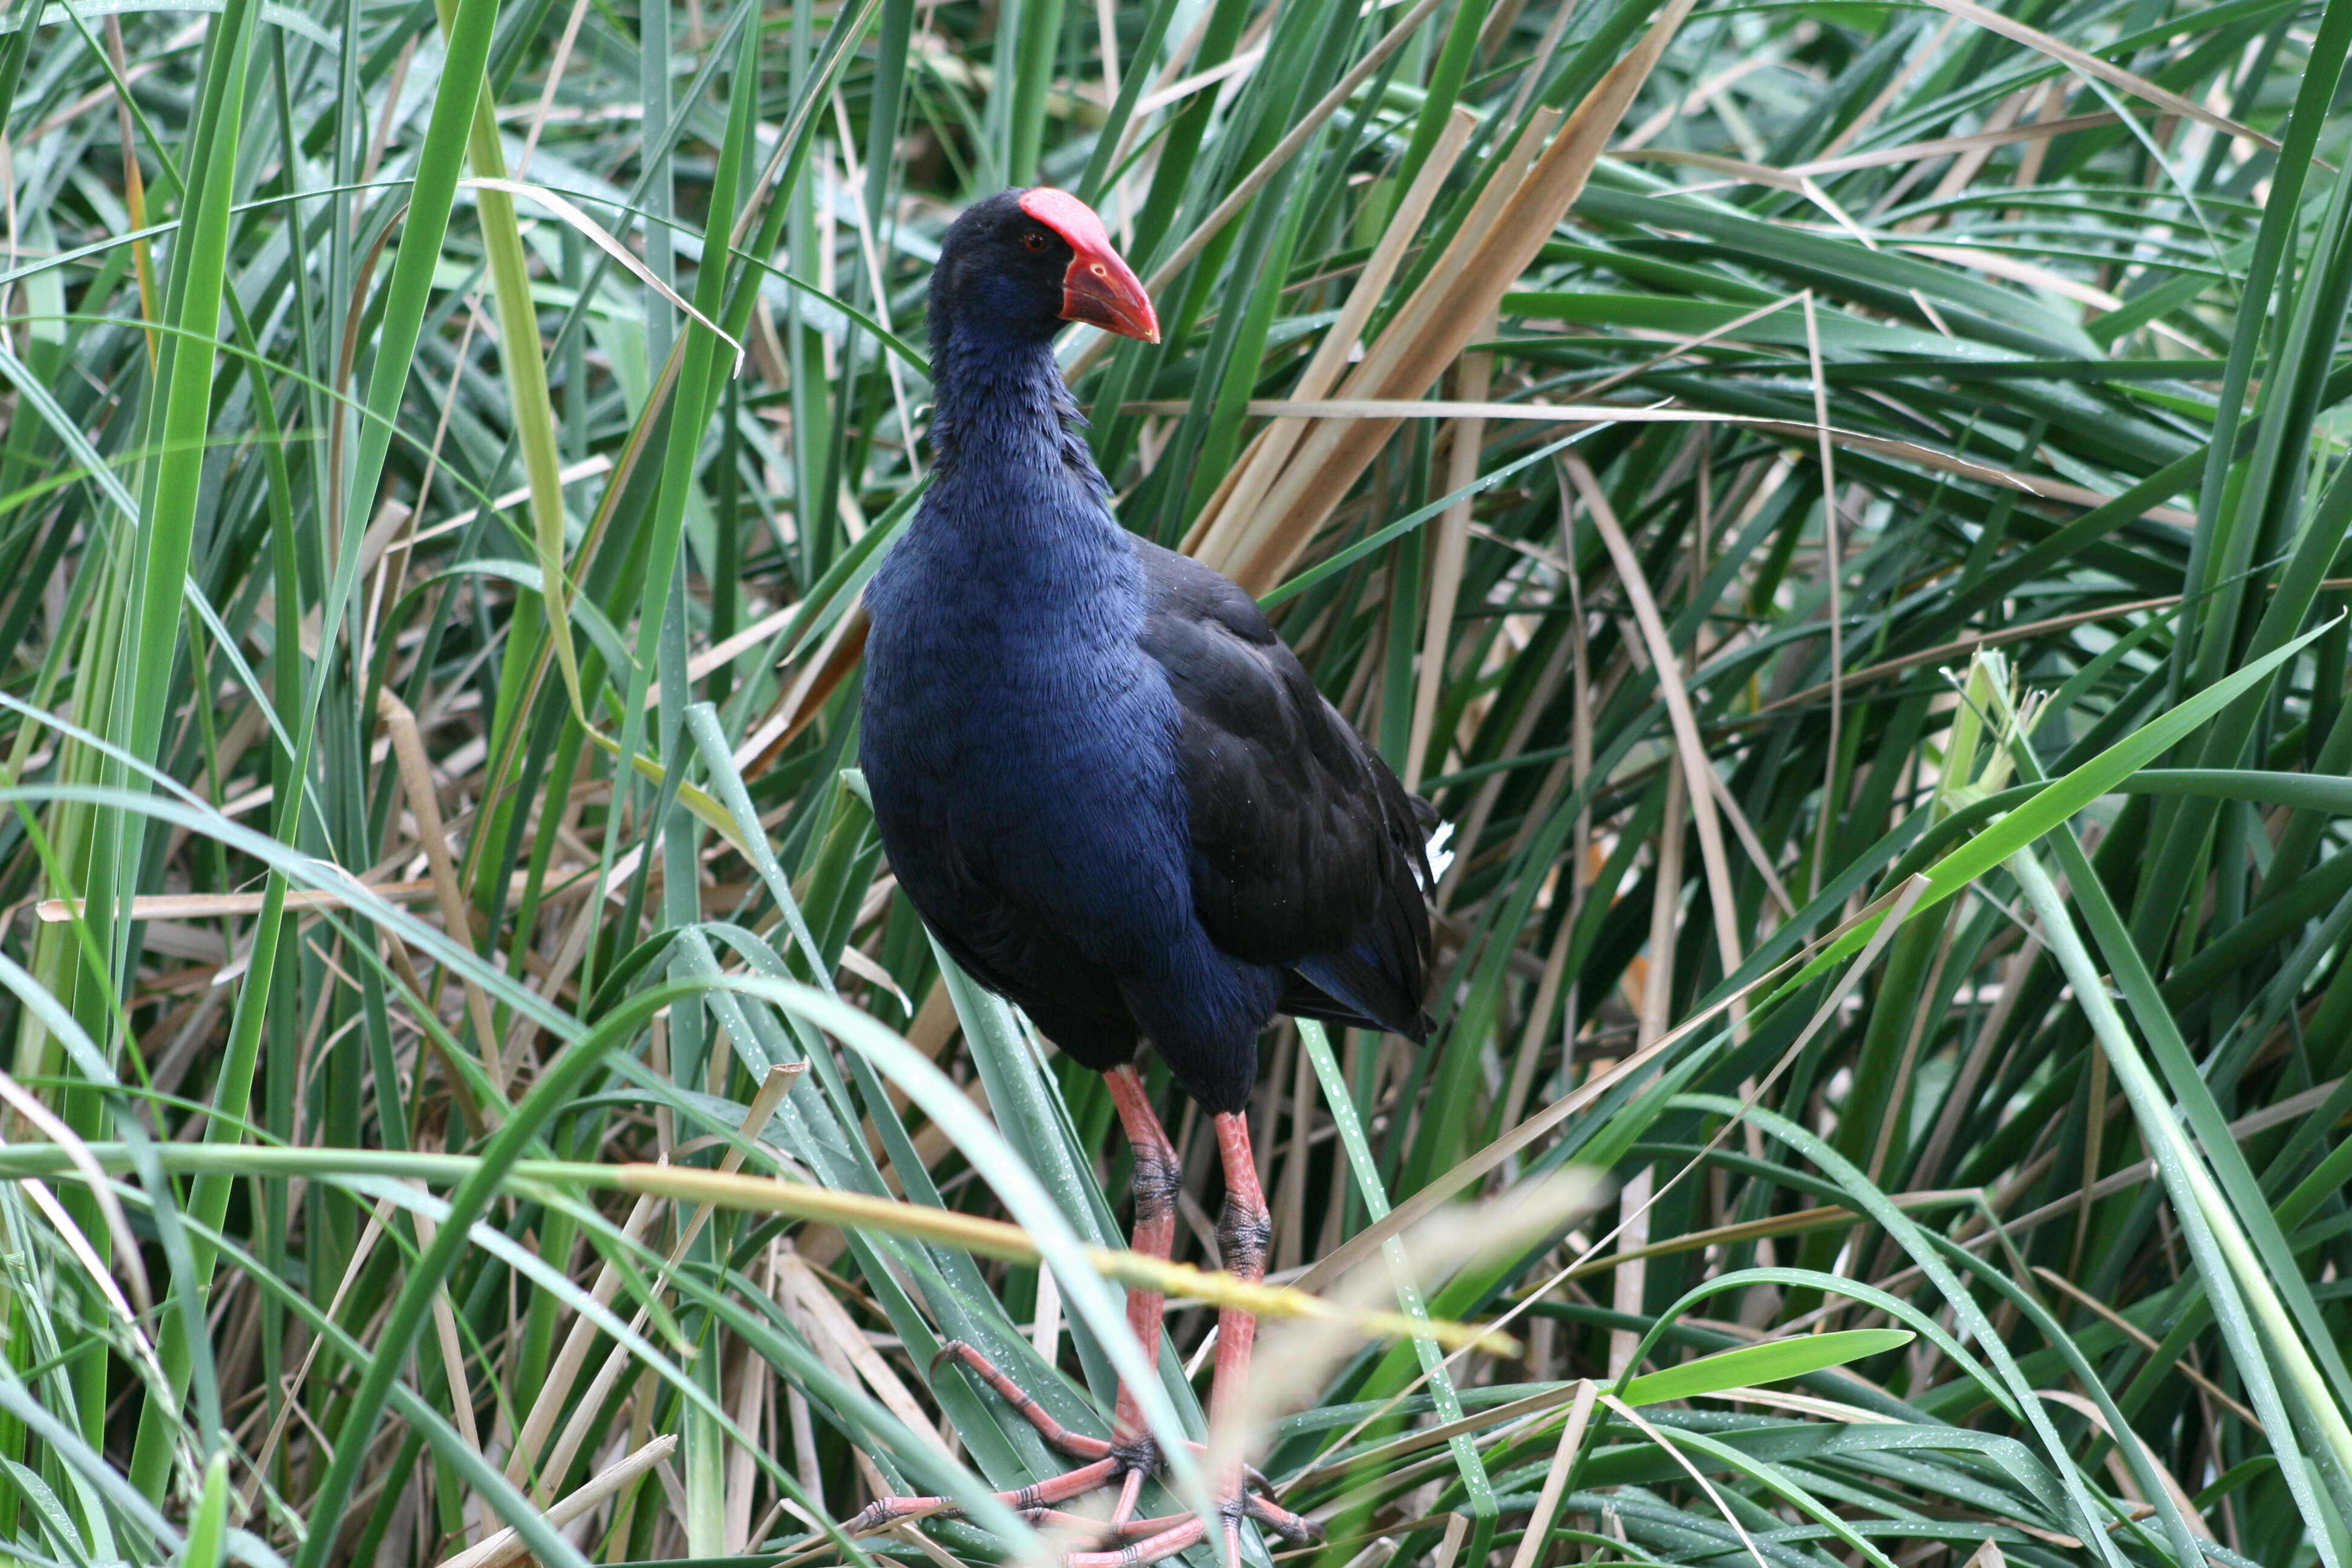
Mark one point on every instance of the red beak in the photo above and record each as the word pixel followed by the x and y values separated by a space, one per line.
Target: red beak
pixel 1100 289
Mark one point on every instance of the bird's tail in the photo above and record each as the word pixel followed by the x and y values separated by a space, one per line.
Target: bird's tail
pixel 1350 989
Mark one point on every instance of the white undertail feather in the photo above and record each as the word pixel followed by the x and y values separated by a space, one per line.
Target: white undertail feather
pixel 1440 856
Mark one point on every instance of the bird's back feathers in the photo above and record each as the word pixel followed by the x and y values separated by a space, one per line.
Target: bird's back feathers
pixel 1307 852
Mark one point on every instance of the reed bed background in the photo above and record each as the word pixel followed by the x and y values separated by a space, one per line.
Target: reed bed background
pixel 1840 505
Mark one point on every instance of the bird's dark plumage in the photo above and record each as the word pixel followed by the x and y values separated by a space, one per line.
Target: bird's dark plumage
pixel 1109 789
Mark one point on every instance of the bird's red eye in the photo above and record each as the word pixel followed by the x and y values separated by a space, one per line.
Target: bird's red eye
pixel 1034 241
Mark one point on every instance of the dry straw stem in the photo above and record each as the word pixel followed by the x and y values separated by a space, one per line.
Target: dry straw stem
pixel 1296 1360
pixel 1698 768
pixel 1555 1481
pixel 1474 378
pixel 997 1238
pixel 541 1419
pixel 453 1350
pixel 1877 158
pixel 571 473
pixel 826 667
pixel 1504 233
pixel 507 1546
pixel 1215 532
pixel 823 1318
pixel 425 803
pixel 215 906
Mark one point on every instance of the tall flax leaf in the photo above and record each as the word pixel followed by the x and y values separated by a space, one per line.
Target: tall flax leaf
pixel 1373 1193
pixel 2218 1239
pixel 440 163
pixel 520 357
pixel 2240 516
pixel 200 269
pixel 166 543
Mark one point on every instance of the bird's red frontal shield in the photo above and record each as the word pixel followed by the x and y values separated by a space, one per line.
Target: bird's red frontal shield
pixel 1100 289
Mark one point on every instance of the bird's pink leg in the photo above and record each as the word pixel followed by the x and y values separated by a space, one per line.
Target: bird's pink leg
pixel 1158 1175
pixel 1131 1455
pixel 1245 1230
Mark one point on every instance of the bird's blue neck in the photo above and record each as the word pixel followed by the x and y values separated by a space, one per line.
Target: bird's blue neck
pixel 999 402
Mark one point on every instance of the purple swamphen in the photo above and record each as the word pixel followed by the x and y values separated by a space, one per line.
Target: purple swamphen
pixel 1113 793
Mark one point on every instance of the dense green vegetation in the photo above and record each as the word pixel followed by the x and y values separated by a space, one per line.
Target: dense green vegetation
pixel 1894 722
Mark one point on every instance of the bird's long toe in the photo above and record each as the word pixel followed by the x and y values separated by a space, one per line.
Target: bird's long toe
pixel 1036 1497
pixel 1183 1534
pixel 1075 1444
pixel 1081 1526
pixel 1295 1528
pixel 888 1511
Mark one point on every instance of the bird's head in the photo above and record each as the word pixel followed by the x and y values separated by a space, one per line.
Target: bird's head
pixel 1023 262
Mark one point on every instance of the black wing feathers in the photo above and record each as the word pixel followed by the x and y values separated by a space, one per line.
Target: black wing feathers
pixel 1307 852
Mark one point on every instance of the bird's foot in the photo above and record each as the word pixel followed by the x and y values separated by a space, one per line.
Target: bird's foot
pixel 1126 1462
pixel 1105 1461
